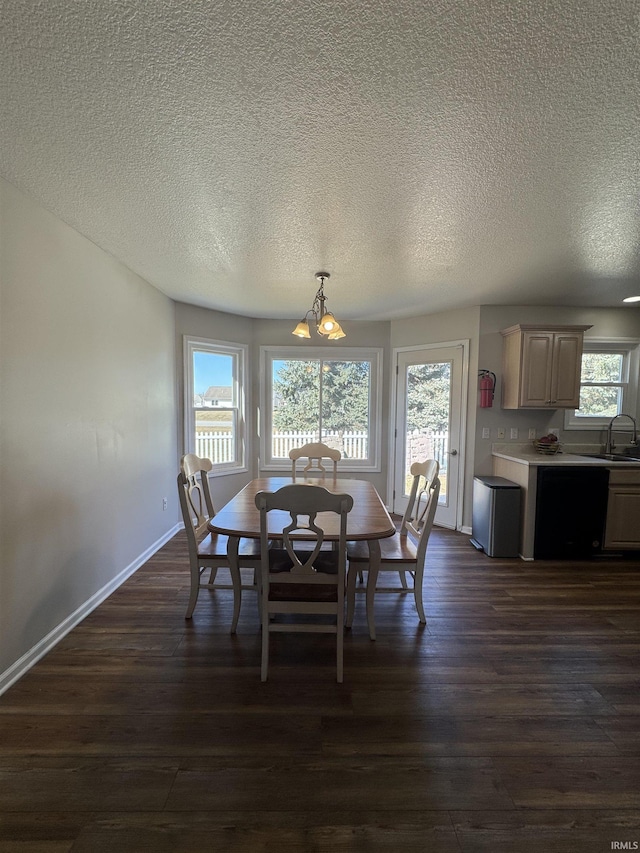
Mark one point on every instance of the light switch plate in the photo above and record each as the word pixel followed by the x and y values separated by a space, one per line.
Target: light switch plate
pixel 486 432
pixel 514 432
pixel 500 432
pixel 532 432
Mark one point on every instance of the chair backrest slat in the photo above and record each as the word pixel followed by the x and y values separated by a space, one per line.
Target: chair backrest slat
pixel 315 452
pixel 194 493
pixel 302 503
pixel 423 503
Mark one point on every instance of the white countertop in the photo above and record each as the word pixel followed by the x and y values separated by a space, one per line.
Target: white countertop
pixel 568 455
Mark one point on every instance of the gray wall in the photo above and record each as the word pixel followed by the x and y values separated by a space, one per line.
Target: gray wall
pixel 88 422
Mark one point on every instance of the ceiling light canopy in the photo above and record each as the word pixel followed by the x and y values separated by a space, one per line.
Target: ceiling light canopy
pixel 632 299
pixel 324 321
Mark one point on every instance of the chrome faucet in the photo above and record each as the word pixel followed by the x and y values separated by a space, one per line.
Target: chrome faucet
pixel 610 446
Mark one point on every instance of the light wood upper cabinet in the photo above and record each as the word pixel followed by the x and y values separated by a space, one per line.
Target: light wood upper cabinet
pixel 541 366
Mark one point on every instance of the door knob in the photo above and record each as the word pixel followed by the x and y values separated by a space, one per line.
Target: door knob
pixel 453 452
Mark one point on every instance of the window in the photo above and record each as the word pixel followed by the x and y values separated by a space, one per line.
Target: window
pixel 214 403
pixel 608 383
pixel 321 394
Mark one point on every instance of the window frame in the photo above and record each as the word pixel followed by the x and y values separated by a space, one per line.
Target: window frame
pixel 374 355
pixel 629 349
pixel 239 353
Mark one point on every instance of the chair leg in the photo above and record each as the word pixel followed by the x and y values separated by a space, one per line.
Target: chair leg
pixel 257 582
pixel 417 594
pixel 372 580
pixel 195 589
pixel 265 647
pixel 339 649
pixel 236 579
pixel 403 579
pixel 351 594
pixel 213 575
pixel 360 576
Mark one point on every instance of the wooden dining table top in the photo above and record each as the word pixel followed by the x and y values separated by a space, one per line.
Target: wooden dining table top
pixel 367 520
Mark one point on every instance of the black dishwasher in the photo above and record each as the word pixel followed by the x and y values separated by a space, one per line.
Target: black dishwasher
pixel 571 507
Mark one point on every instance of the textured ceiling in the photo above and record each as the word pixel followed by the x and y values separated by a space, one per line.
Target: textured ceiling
pixel 428 154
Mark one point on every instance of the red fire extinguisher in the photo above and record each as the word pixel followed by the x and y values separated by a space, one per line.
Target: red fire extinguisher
pixel 487 388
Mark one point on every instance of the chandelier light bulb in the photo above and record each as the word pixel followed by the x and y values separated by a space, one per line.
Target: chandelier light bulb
pixel 328 323
pixel 325 323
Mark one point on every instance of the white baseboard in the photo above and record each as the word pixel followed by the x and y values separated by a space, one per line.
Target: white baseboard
pixel 466 530
pixel 24 664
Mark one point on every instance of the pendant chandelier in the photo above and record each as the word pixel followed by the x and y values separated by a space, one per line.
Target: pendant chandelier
pixel 324 321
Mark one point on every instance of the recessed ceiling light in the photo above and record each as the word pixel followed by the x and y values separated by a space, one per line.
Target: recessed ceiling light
pixel 632 299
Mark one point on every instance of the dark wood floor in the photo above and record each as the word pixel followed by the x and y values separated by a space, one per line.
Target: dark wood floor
pixel 510 724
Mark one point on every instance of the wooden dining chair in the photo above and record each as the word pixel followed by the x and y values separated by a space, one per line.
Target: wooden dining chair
pixel 314 453
pixel 208 551
pixel 305 583
pixel 404 552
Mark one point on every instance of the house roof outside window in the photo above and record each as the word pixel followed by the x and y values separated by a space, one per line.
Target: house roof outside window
pixel 217 395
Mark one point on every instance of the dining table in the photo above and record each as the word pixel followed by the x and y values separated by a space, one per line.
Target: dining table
pixel 368 521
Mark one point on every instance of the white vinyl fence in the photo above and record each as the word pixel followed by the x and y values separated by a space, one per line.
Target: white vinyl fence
pixel 217 445
pixel 352 445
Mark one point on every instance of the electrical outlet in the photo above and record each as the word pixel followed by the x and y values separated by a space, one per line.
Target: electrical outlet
pixel 165 503
pixel 532 433
pixel 486 432
pixel 513 432
pixel 500 432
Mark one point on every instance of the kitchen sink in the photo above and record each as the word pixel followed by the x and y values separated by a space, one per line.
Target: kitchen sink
pixel 612 457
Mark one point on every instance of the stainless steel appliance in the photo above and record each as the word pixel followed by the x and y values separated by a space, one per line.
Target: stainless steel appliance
pixel 496 516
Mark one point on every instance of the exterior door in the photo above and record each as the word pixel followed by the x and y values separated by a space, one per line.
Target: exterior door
pixel 429 423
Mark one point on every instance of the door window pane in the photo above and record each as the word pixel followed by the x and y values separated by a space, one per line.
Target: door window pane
pixel 428 395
